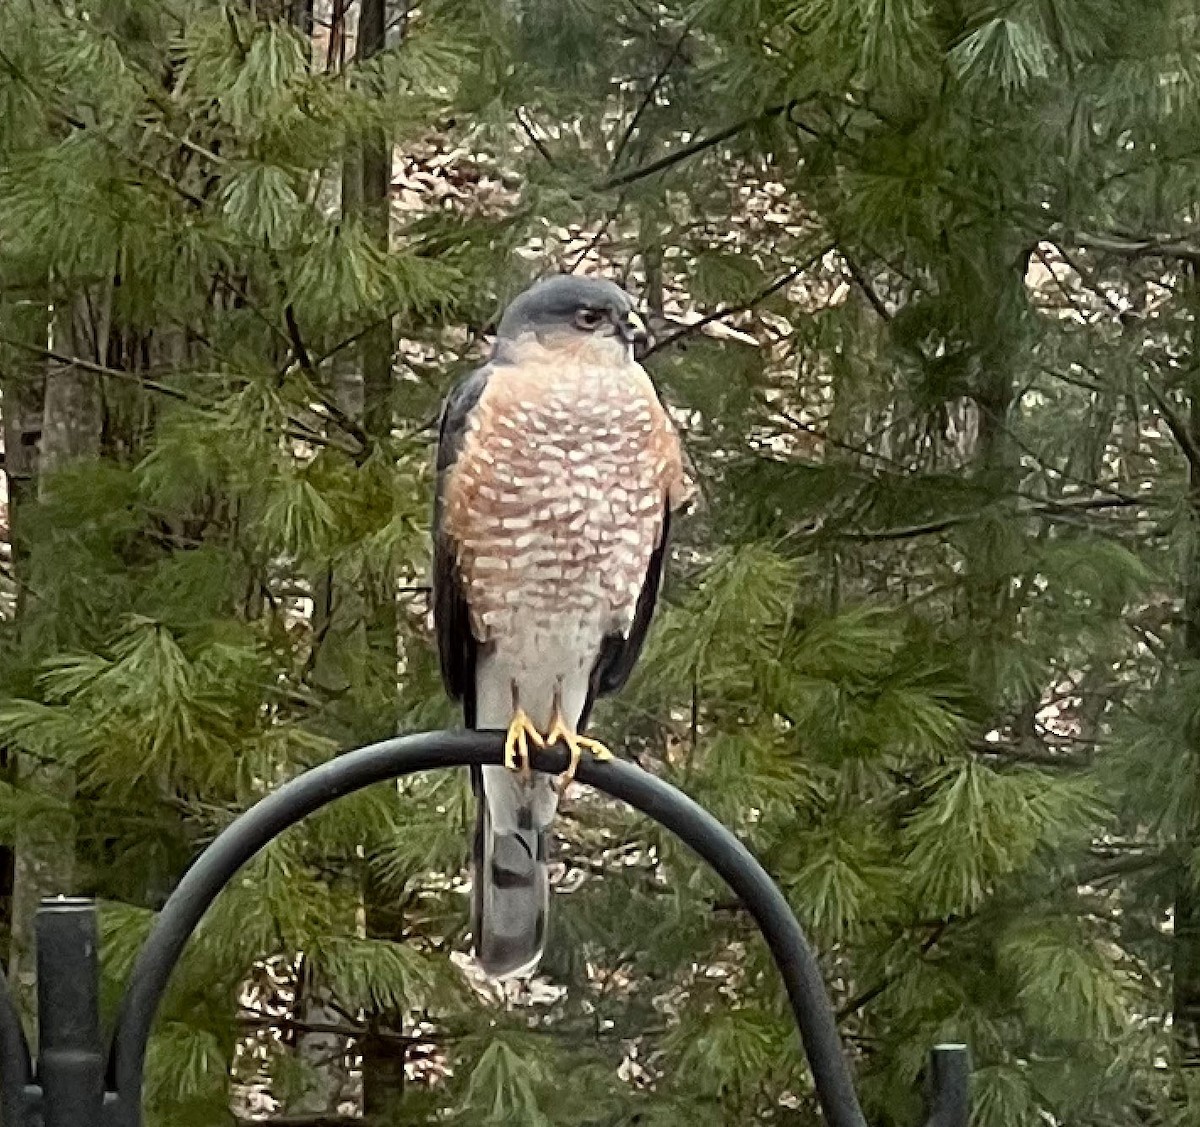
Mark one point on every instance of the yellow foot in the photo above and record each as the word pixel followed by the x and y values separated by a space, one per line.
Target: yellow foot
pixel 578 745
pixel 521 733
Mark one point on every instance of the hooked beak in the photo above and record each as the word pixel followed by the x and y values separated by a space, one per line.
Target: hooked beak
pixel 634 332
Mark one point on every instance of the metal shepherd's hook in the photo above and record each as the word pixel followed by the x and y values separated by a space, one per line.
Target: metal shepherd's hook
pixel 70 1087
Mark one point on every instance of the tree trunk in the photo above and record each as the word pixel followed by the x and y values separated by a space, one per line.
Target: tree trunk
pixel 1185 959
pixel 353 628
pixel 23 386
pixel 71 426
pixel 995 467
pixel 383 1063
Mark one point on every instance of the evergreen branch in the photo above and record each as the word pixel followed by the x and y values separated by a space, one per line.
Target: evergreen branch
pixel 78 124
pixel 805 128
pixel 895 267
pixel 57 111
pixel 303 1120
pixel 1016 752
pixel 1175 424
pixel 1063 475
pixel 1041 507
pixel 222 279
pixel 1122 865
pixel 659 78
pixel 1074 381
pixel 1135 246
pixel 863 283
pixel 594 241
pixel 686 152
pixel 301 353
pixel 1153 642
pixel 358 334
pixel 344 421
pixel 349 1029
pixel 529 132
pixel 837 443
pixel 869 995
pixel 297 430
pixel 1089 280
pixel 351 340
pixel 1085 316
pixel 164 178
pixel 742 307
pixel 1111 500
pixel 1019 504
pixel 297 341
pixel 192 146
pixel 1107 868
pixel 98 369
pixel 647 13
pixel 912 532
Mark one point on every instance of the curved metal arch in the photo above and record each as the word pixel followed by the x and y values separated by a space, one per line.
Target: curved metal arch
pixel 407 755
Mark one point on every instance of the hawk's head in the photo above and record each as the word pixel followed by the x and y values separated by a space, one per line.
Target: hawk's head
pixel 572 311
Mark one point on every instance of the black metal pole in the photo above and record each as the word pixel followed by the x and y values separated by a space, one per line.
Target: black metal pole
pixel 949 1086
pixel 407 755
pixel 70 1063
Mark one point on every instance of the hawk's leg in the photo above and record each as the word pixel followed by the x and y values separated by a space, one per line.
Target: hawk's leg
pixel 521 733
pixel 577 744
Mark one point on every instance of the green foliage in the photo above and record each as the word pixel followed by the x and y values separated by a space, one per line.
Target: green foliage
pixel 374 975
pixel 724 1055
pixel 928 644
pixel 1065 983
pixel 979 825
pixel 504 1086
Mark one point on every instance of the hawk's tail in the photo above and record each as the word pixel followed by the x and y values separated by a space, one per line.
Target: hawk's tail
pixel 511 889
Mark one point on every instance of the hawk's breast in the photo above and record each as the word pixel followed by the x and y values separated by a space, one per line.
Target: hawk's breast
pixel 556 500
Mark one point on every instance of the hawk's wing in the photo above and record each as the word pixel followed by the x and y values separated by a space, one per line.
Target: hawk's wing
pixel 510 887
pixel 619 652
pixel 456 644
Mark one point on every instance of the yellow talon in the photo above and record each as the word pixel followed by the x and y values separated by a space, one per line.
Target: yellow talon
pixel 559 732
pixel 521 733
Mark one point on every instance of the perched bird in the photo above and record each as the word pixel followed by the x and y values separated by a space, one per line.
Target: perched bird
pixel 558 471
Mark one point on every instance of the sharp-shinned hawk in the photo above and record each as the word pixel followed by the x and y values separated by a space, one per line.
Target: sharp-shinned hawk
pixel 558 471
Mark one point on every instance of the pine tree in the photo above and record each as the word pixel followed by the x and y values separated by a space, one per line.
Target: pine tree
pixel 928 643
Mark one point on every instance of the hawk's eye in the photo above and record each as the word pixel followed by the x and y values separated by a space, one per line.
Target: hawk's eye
pixel 589 319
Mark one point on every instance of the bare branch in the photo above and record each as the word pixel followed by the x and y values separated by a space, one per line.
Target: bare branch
pixel 691 150
pixel 742 307
pixel 594 241
pixel 1178 428
pixel 659 78
pixel 335 413
pixel 1135 246
pixel 538 144
pixel 98 369
pixel 297 341
pixel 861 280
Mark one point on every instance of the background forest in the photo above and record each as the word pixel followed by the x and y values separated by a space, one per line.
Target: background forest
pixel 924 278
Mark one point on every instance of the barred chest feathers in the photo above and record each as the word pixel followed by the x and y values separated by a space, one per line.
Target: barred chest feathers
pixel 557 499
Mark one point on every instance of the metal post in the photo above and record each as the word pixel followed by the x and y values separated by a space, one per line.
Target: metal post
pixel 70 1063
pixel 949 1086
